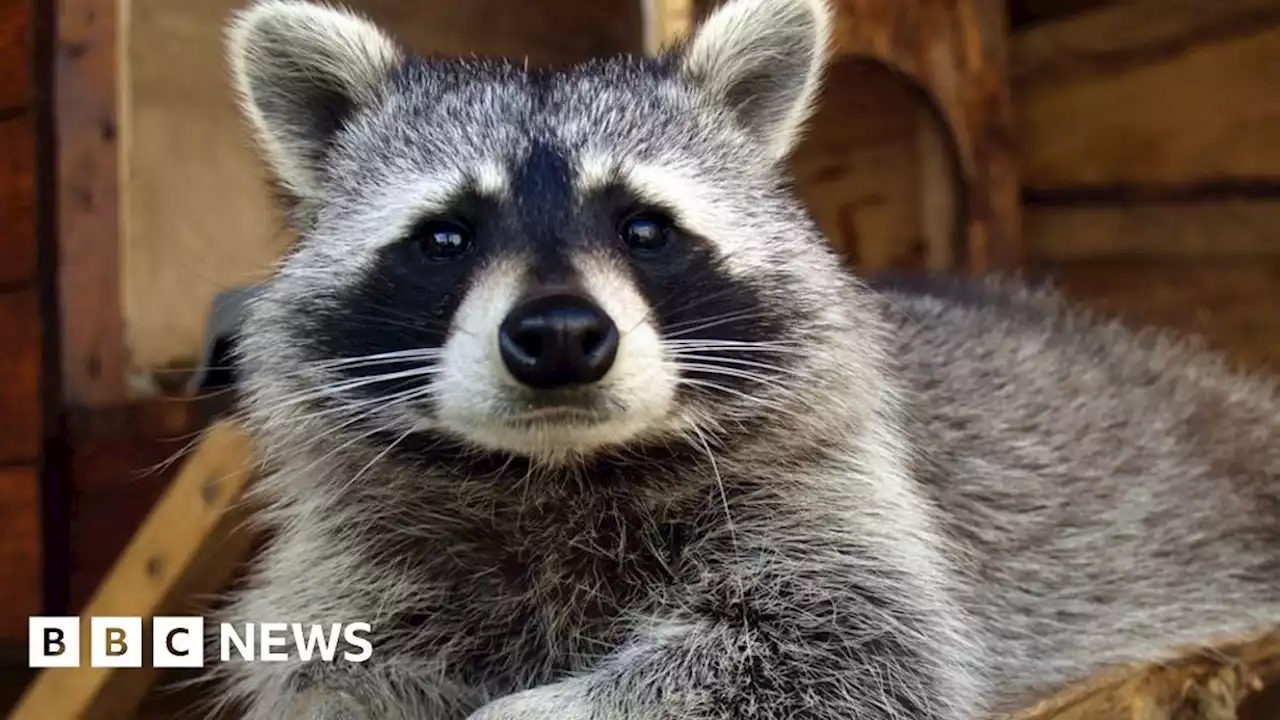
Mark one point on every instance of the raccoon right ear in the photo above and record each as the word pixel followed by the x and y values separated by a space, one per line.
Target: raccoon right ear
pixel 763 59
pixel 300 70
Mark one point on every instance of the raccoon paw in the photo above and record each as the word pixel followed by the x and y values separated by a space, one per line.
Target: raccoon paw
pixel 559 701
pixel 327 705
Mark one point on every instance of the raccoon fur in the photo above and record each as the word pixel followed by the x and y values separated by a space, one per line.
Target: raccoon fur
pixel 563 391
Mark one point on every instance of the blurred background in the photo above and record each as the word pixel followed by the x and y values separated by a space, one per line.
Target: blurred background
pixel 1127 149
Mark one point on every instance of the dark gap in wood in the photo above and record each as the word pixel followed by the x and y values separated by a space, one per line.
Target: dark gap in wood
pixel 13 113
pixel 19 463
pixel 1123 194
pixel 1029 13
pixel 15 286
pixel 54 471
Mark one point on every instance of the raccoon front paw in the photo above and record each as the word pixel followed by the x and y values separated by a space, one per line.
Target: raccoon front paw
pixel 559 701
pixel 327 705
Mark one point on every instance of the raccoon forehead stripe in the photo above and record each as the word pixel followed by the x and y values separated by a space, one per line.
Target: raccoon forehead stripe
pixel 670 187
pixel 400 203
pixel 693 204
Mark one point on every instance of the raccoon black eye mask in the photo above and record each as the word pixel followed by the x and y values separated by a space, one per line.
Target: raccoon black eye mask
pixel 565 394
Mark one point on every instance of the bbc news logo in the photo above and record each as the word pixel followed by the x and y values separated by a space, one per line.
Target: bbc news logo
pixel 179 642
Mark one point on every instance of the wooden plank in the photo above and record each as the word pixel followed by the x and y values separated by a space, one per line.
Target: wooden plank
pixel 20 557
pixel 1199 685
pixel 93 358
pixel 186 549
pixel 20 392
pixel 1150 91
pixel 17 200
pixel 1233 302
pixel 15 54
pixel 1239 228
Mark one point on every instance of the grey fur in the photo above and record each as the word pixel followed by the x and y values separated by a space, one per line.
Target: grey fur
pixel 952 500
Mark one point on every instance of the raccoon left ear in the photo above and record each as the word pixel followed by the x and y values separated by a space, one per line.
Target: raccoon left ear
pixel 764 59
pixel 301 69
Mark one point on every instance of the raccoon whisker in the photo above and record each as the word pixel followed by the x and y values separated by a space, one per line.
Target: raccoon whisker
pixel 723 317
pixel 349 442
pixel 735 350
pixel 717 387
pixel 684 329
pixel 385 451
pixel 335 390
pixel 694 302
pixel 715 369
pixel 713 359
pixel 760 380
pixel 412 353
pixel 348 406
pixel 732 343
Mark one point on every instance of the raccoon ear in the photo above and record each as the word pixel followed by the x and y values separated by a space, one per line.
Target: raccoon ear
pixel 764 59
pixel 300 70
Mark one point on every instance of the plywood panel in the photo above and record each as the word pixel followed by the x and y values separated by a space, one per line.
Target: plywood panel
pixel 17 200
pixel 19 552
pixel 198 217
pixel 1151 91
pixel 20 358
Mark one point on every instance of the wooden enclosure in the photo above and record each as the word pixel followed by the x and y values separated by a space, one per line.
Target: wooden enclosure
pixel 1129 149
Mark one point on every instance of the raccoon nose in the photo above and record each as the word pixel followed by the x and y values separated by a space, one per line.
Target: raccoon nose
pixel 557 340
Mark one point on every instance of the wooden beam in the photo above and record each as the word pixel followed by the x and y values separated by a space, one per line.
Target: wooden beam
pixel 184 552
pixel 954 52
pixel 1150 91
pixel 94 359
pixel 1205 684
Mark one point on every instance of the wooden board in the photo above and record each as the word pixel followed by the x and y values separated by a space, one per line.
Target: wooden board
pixel 15 54
pixel 1212 683
pixel 92 345
pixel 184 552
pixel 20 556
pixel 20 391
pixel 17 199
pixel 1186 229
pixel 1150 91
pixel 197 213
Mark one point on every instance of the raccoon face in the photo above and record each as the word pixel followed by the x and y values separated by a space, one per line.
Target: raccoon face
pixel 547 263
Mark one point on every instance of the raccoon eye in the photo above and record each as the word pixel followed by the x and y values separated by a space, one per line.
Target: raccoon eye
pixel 646 232
pixel 442 239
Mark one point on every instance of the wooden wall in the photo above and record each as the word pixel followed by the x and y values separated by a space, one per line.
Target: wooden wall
pixel 21 330
pixel 1150 152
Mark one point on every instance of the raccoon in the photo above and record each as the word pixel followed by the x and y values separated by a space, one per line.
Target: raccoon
pixel 564 392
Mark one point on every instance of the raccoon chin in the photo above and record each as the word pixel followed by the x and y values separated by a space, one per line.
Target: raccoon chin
pixel 557 435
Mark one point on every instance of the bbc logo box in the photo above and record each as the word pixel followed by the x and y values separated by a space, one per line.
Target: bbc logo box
pixel 55 641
